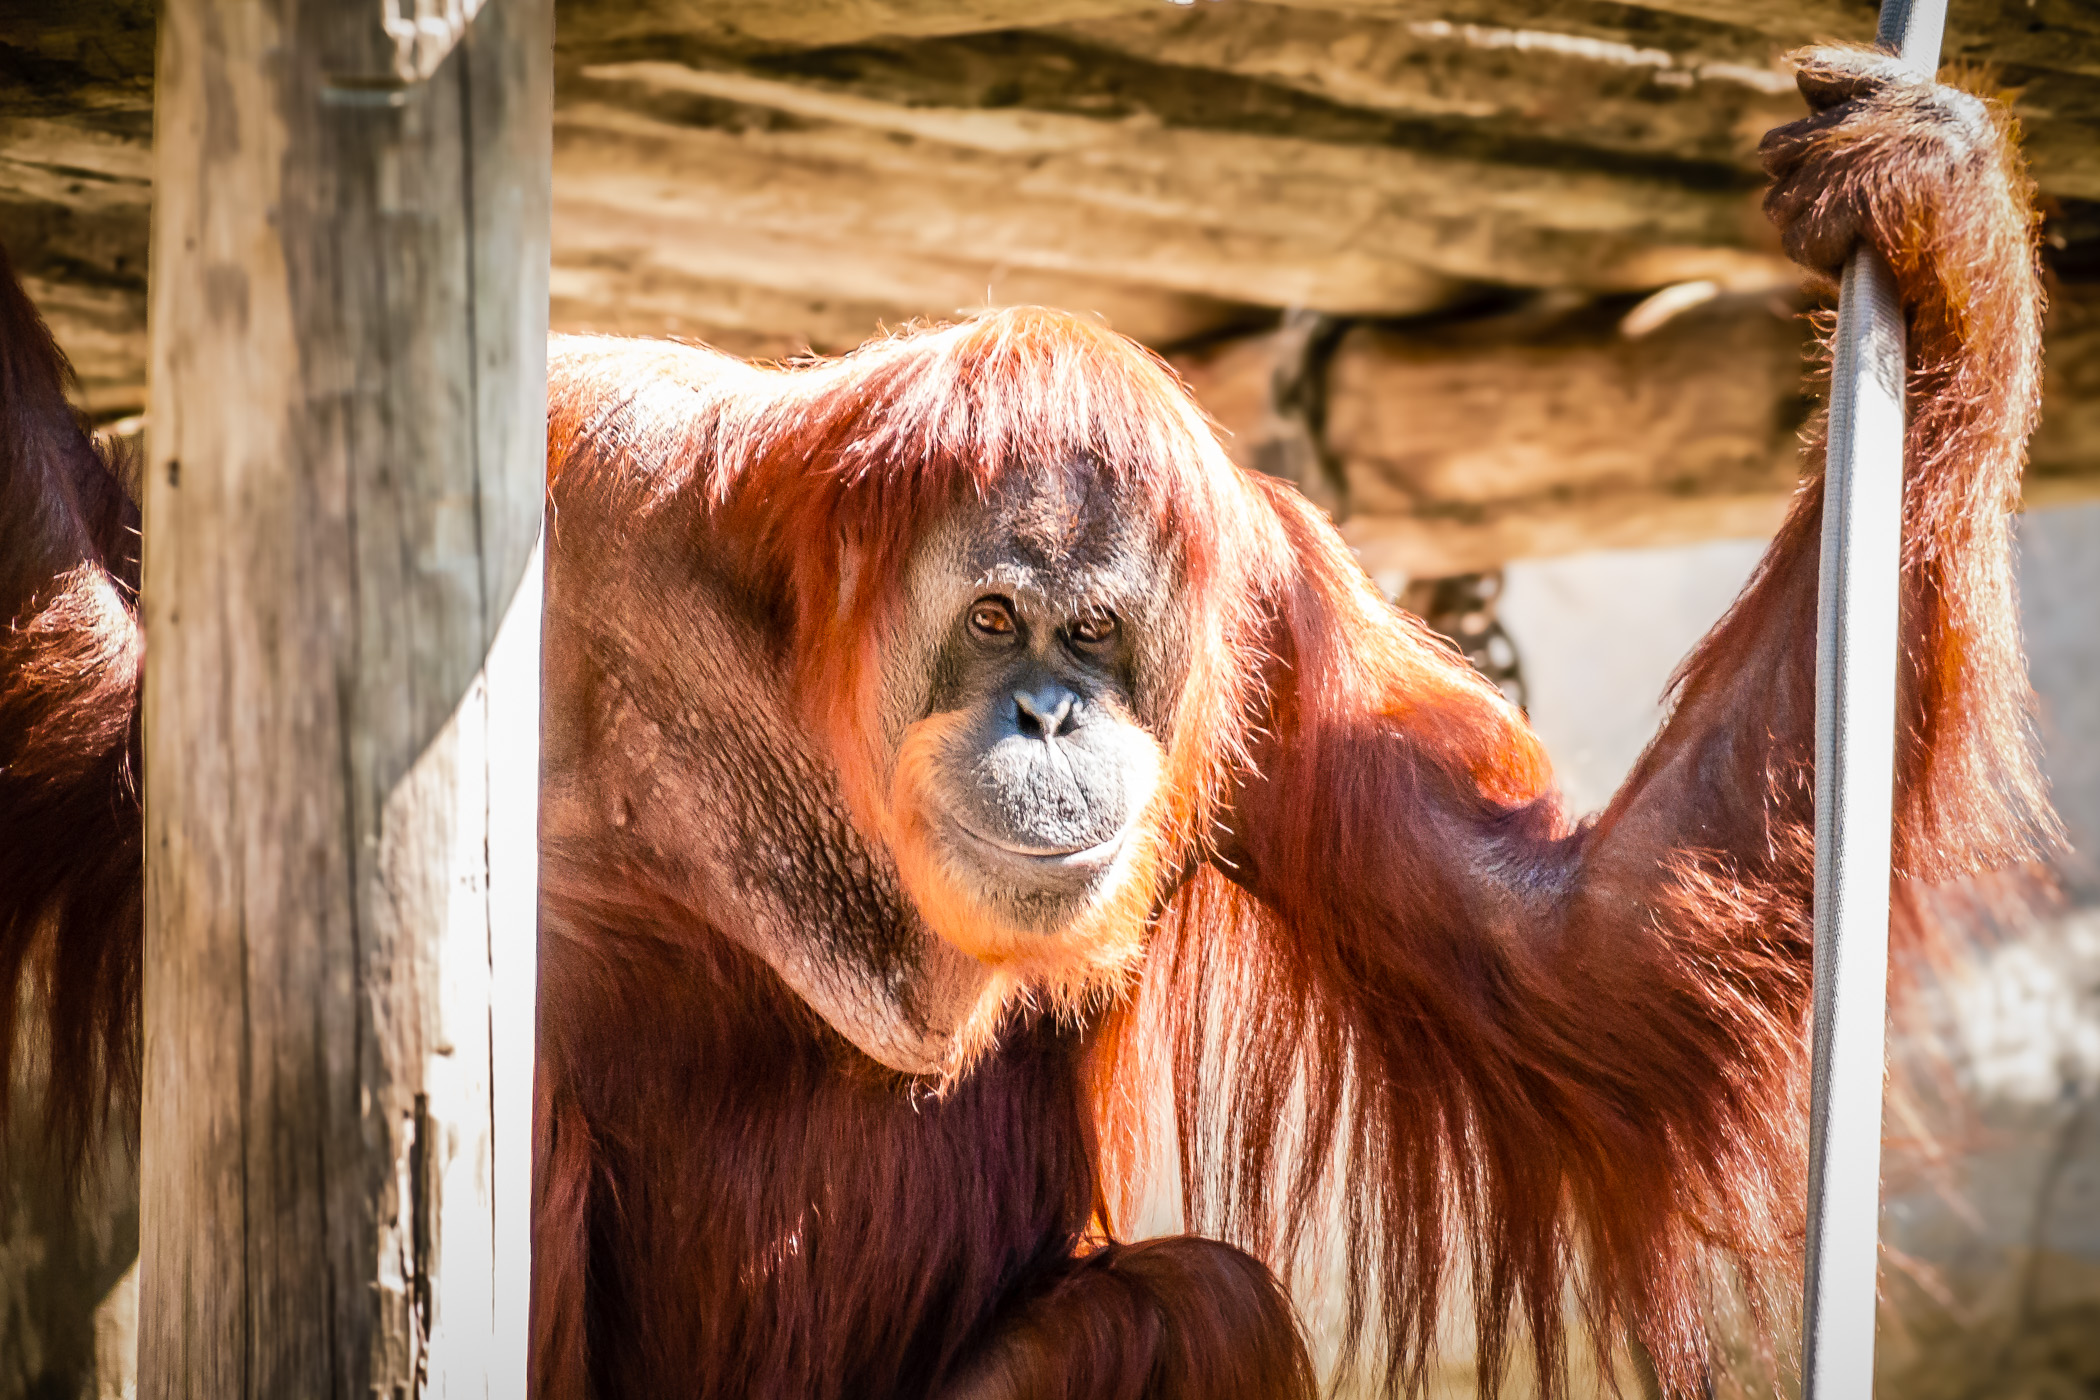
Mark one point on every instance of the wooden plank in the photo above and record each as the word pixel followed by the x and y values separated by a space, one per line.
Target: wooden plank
pixel 343 487
pixel 2044 53
pixel 771 178
pixel 820 21
pixel 840 165
pixel 1675 92
pixel 1396 548
pixel 863 198
pixel 2063 35
pixel 1457 447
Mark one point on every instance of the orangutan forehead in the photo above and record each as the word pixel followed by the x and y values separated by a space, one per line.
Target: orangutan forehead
pixel 1058 529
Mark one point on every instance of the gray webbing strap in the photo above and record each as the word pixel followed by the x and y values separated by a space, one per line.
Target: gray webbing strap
pixel 1856 644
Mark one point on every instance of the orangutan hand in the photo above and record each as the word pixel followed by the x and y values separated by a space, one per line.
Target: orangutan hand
pixel 1888 156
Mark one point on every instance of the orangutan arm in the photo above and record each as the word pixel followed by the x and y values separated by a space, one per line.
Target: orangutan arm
pixel 1563 1045
pixel 1178 1318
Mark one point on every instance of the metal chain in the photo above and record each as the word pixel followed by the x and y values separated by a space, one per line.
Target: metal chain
pixel 1462 608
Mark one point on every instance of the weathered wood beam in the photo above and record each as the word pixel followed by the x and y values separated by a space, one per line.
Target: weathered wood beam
pixel 2062 35
pixel 76 192
pixel 342 493
pixel 103 331
pixel 62 56
pixel 861 162
pixel 820 230
pixel 822 189
pixel 817 21
pixel 1458 447
pixel 1676 92
pixel 76 128
pixel 2046 51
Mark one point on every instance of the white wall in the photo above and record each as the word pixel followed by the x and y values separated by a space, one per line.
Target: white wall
pixel 2060 606
pixel 1600 633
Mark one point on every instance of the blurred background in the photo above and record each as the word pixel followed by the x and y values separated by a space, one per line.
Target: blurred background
pixel 1484 278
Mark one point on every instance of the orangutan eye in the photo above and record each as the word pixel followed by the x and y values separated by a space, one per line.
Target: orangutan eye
pixel 992 618
pixel 1096 631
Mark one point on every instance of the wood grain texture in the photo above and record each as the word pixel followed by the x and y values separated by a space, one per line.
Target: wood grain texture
pixel 2026 33
pixel 773 177
pixel 343 489
pixel 1458 445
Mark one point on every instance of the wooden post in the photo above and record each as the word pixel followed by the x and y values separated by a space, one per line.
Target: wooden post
pixel 349 302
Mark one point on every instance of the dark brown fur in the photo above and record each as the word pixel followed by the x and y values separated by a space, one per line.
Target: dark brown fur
pixel 1388 981
pixel 70 663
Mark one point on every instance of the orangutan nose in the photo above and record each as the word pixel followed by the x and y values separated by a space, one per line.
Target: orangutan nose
pixel 1046 713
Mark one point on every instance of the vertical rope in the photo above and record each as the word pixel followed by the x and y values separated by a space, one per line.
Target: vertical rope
pixel 1856 646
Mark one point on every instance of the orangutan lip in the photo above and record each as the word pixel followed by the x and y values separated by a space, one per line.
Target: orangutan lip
pixel 1048 855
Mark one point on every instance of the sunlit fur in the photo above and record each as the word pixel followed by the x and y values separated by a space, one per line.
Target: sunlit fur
pixel 855 460
pixel 1543 1057
pixel 1388 983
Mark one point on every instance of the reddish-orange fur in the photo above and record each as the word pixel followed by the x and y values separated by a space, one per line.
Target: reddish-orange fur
pixel 1018 1289
pixel 1391 983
